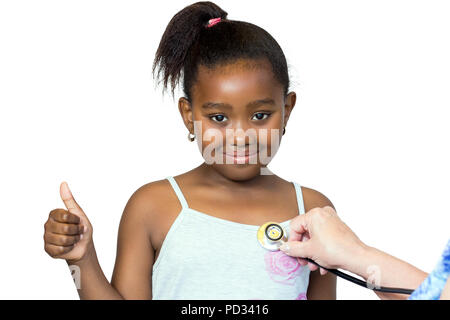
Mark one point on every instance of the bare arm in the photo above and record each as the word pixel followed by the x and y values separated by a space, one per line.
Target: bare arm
pixel 387 271
pixel 90 279
pixel 64 238
pixel 131 277
pixel 332 244
pixel 445 294
pixel 321 287
pixel 68 235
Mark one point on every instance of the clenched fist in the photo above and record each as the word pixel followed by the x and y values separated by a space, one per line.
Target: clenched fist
pixel 68 233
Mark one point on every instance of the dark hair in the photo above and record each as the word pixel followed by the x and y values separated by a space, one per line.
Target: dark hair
pixel 187 42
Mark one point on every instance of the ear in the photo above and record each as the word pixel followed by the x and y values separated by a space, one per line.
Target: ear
pixel 185 108
pixel 289 105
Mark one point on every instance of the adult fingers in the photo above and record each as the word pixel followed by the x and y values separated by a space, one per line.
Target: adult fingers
pixel 302 262
pixel 300 249
pixel 312 266
pixel 297 227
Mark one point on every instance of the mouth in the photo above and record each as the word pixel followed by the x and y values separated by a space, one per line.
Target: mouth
pixel 240 156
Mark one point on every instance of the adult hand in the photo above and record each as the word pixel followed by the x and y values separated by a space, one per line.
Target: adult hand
pixel 322 236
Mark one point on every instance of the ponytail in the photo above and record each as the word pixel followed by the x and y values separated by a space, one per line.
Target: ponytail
pixel 189 41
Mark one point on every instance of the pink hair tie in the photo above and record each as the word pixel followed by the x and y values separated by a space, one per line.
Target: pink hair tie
pixel 213 22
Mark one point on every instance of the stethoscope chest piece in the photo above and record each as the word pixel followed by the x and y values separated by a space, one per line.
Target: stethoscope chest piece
pixel 271 236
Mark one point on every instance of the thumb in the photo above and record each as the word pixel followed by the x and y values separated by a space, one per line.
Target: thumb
pixel 69 201
pixel 300 249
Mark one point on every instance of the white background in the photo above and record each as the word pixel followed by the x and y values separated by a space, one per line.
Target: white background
pixel 370 129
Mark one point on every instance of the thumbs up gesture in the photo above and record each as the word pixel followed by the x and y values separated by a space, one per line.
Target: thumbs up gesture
pixel 68 233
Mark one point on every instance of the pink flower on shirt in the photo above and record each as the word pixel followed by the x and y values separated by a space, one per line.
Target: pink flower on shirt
pixel 281 267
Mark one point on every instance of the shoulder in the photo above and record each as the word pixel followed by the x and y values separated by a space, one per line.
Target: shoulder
pixel 135 245
pixel 150 197
pixel 313 199
pixel 149 202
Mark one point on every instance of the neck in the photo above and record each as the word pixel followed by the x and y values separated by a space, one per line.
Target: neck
pixel 211 174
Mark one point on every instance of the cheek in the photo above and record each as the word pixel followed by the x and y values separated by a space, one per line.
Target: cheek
pixel 271 135
pixel 212 137
pixel 269 141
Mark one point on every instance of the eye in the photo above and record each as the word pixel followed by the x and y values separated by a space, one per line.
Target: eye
pixel 260 115
pixel 219 117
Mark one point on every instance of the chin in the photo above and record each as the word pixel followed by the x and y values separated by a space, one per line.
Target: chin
pixel 238 172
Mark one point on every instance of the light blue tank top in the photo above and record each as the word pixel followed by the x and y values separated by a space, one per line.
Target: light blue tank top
pixel 205 257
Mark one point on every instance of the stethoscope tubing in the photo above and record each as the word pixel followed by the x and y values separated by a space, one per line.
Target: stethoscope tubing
pixel 360 282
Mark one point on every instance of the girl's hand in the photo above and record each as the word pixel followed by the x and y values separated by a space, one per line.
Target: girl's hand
pixel 68 233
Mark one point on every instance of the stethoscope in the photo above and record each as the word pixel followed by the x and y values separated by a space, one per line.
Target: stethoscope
pixel 271 236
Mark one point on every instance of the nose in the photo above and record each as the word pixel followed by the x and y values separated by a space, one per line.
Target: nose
pixel 241 138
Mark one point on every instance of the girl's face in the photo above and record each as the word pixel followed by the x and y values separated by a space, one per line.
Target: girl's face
pixel 238 113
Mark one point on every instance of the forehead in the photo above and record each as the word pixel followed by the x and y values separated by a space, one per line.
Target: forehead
pixel 236 83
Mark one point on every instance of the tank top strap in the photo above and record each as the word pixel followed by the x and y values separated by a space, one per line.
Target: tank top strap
pixel 298 192
pixel 178 192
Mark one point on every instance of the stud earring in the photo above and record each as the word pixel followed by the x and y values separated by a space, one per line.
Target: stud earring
pixel 191 138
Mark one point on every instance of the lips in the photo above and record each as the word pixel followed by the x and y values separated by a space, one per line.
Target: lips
pixel 239 154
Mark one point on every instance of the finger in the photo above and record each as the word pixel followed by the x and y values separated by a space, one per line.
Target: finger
pixel 297 249
pixel 305 237
pixel 69 200
pixel 297 227
pixel 323 271
pixel 312 266
pixel 302 262
pixel 330 210
pixel 64 228
pixel 60 240
pixel 64 216
pixel 56 251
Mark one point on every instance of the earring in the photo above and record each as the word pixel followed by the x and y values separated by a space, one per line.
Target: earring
pixel 191 138
pixel 284 130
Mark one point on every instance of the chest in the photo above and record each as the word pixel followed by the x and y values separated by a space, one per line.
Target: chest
pixel 219 268
pixel 249 209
